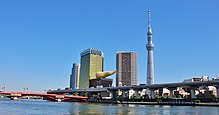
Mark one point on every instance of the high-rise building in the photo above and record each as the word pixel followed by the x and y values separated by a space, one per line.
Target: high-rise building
pixel 150 48
pixel 74 77
pixel 126 66
pixel 91 63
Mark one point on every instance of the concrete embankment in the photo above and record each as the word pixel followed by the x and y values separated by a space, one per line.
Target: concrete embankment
pixel 174 104
pixel 158 103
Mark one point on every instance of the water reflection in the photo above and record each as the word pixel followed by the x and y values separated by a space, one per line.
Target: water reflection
pixel 8 107
pixel 126 112
pixel 106 109
pixel 111 109
pixel 85 109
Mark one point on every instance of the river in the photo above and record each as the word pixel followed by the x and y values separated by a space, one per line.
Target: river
pixel 41 107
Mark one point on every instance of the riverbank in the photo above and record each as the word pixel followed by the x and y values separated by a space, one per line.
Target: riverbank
pixel 158 103
pixel 173 103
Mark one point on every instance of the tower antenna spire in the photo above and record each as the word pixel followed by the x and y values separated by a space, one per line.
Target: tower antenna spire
pixel 149 22
pixel 149 19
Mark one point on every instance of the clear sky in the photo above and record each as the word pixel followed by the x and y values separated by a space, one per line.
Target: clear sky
pixel 40 39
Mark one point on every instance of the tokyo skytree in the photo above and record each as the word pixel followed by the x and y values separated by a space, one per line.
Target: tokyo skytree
pixel 150 48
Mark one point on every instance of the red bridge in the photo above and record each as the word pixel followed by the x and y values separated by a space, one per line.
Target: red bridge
pixel 51 97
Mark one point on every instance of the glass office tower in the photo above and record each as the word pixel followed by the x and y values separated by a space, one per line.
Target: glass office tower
pixel 74 77
pixel 91 63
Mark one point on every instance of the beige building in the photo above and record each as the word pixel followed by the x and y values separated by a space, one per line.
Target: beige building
pixel 126 66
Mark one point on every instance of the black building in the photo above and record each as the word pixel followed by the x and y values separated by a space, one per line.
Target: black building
pixel 102 82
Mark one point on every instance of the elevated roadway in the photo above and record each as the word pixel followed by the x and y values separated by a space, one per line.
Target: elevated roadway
pixel 166 85
pixel 171 86
pixel 84 90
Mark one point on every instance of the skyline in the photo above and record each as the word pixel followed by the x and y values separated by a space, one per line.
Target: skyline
pixel 40 40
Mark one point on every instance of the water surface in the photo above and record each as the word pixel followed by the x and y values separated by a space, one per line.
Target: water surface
pixel 40 107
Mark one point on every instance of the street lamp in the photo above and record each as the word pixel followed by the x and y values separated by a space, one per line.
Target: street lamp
pixel 3 89
pixel 25 90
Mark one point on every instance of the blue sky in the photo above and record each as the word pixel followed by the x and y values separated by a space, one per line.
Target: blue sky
pixel 40 39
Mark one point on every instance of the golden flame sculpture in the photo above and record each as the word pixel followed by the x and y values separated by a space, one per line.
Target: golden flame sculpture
pixel 104 74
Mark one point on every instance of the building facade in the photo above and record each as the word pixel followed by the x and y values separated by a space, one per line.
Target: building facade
pixel 101 82
pixel 91 63
pixel 74 77
pixel 126 66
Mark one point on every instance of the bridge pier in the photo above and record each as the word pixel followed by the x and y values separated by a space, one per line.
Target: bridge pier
pixel 151 93
pixel 217 90
pixel 125 93
pixel 192 90
pixel 59 100
pixel 14 98
pixel 136 93
pixel 160 92
pixel 113 95
pixel 131 93
pixel 171 95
